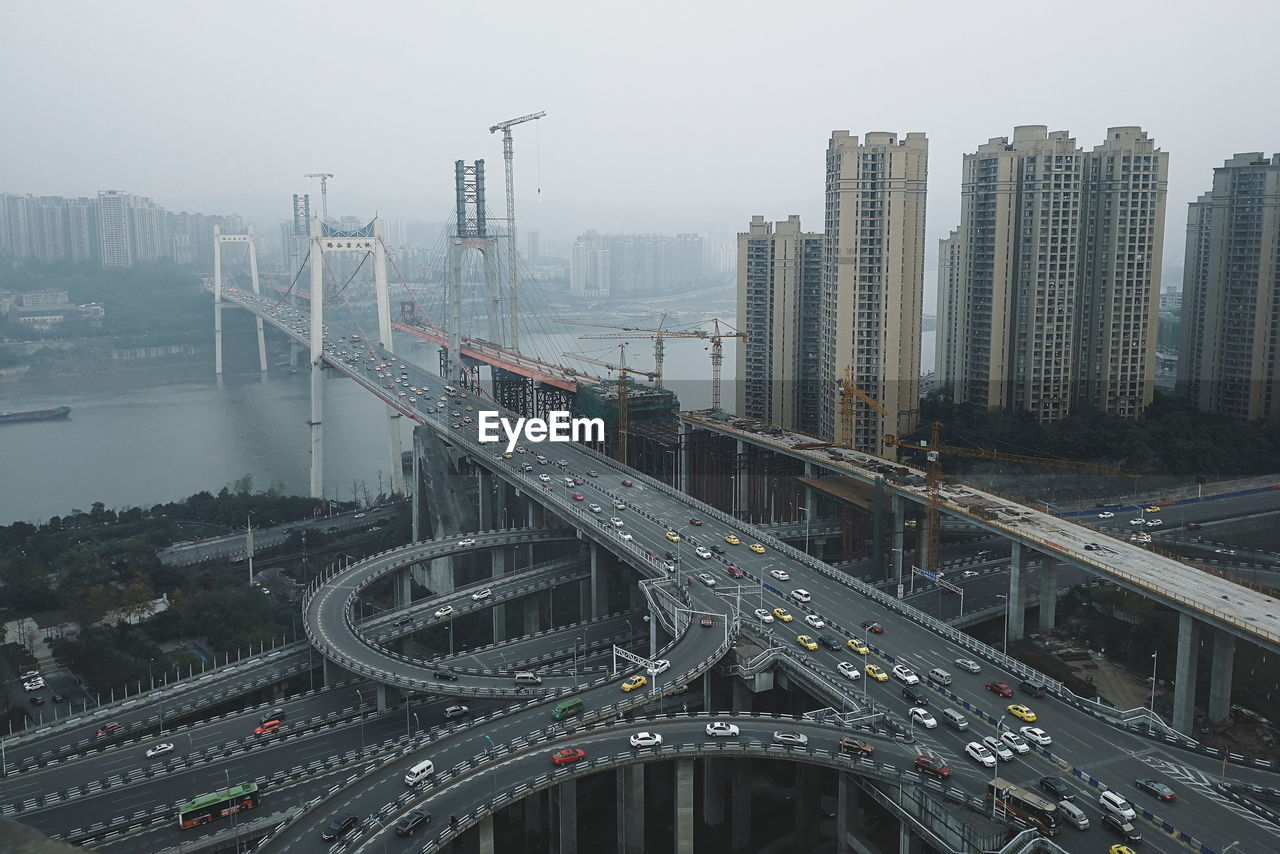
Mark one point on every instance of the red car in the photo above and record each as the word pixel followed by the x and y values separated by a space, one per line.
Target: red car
pixel 568 755
pixel 873 626
pixel 269 726
pixel 577 496
pixel 626 483
pixel 696 522
pixel 930 765
pixel 107 729
pixel 734 572
pixel 1000 689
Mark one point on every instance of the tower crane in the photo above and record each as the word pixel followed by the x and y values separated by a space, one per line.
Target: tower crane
pixel 622 370
pixel 849 392
pixel 933 478
pixel 324 192
pixel 513 309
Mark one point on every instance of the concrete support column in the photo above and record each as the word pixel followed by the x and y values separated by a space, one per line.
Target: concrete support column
pixel 484 500
pixel 630 809
pixel 586 591
pixel 498 562
pixel 531 620
pixel 1048 592
pixel 388 697
pixel 740 826
pixel 599 585
pixel 316 334
pixel 715 778
pixel 847 797
pixel 1224 656
pixel 908 842
pixel 486 834
pixel 499 622
pixel 418 507
pixel 1017 601
pixel 897 508
pixel 402 590
pixel 1184 684
pixel 684 806
pixel 565 797
pixel 808 814
pixel 741 496
pixel 333 674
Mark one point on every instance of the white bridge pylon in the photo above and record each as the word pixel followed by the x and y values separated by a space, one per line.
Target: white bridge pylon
pixel 219 240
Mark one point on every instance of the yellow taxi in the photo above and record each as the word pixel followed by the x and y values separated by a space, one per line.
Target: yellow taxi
pixel 858 646
pixel 673 536
pixel 732 540
pixel 442 397
pixel 633 683
pixel 1022 712
pixel 757 548
pixel 876 673
pixel 782 614
pixel 1152 509
pixel 471 409
pixel 506 456
pixel 1121 849
pixel 806 642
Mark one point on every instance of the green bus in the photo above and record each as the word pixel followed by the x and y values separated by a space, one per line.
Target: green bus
pixel 566 709
pixel 217 804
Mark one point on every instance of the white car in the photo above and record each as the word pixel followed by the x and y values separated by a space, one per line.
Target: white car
pixel 763 615
pixel 159 750
pixel 703 553
pixel 462 544
pixel 1136 522
pixel 1015 742
pixel 594 508
pixel 980 754
pixel 969 665
pixel 1154 523
pixel 923 717
pixel 618 505
pixel 445 611
pixel 801 595
pixel 815 621
pixel 1036 735
pixel 660 665
pixel 850 670
pixel 481 594
pixel 998 747
pixel 780 575
pixel 626 536
pixel 722 729
pixel 1106 514
pixel 544 478
pixel 616 522
pixel 646 739
pixel 905 675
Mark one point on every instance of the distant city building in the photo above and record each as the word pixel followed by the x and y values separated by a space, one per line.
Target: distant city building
pixel 645 263
pixel 1047 290
pixel 113 218
pixel 589 267
pixel 1228 359
pixel 45 309
pixel 873 282
pixel 1170 300
pixel 780 308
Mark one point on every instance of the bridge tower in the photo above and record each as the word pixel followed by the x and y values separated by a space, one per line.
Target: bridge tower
pixel 324 240
pixel 471 233
pixel 219 240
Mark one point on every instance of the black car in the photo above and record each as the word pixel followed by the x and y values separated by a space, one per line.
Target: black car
pixel 671 557
pixel 716 549
pixel 58 698
pixel 403 621
pixel 913 696
pixel 1057 787
pixel 411 821
pixel 829 642
pixel 893 727
pixel 338 827
pixel 1156 788
pixel 37 700
pixel 1125 829
pixel 446 674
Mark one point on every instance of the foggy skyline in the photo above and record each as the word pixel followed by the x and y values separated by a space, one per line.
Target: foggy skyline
pixel 692 118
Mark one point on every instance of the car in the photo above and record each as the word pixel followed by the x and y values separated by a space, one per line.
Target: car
pixel 829 642
pixel 545 478
pixel 968 665
pixel 933 765
pixel 577 481
pixel 467 543
pixel 626 536
pixel 849 670
pixel 660 665
pixel 672 558
pixel 703 552
pixel 568 756
pixel 876 673
pixel 734 572
pixel 763 615
pixel 159 750
pixel 452 712
pixel 1014 742
pixel 480 595
pixel 269 726
pixel 578 496
pixel 782 614
pixel 1120 849
pixel 970 573
pixel 592 473
pixel 646 739
pixel 444 612
pixel 697 523
pixel 1140 537
pixel 1035 735
pixel 616 522
pixel 1123 827
pixel 717 549
pixel 998 747
pixel 1000 689
pixel 849 744
pixel 1155 788
pixel 922 717
pixel 594 508
pixel 618 505
pixel 446 674
pixel 411 821
pixel 858 646
pixel 633 683
pixel 359 515
pixel 562 463
pixel 801 595
pixel 815 621
pixel 37 700
pixel 673 536
pixel 1106 514
pixel 1022 712
pixel 1138 521
pixel 406 620
pixel 669 566
pixel 1058 788
pixel 626 483
pixel 905 674
pixel 58 698
pixel 873 627
pixel 732 540
pixel 779 574
pixel 980 754
pixel 1154 523
pixel 791 739
pixel 706 579
pixel 720 729
pixel 757 548
pixel 1152 509
pixel 1092 547
pixel 914 696
pixel 506 455
pixel 339 826
pixel 806 642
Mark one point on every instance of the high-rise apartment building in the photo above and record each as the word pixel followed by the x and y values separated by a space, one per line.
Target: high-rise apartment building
pixel 82 229
pixel 780 307
pixel 1227 349
pixel 113 222
pixel 873 282
pixel 1050 282
pixel 589 267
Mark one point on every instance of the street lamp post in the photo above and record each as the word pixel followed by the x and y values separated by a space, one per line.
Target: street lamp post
pixel 494 771
pixel 807 518
pixel 996 770
pixel 191 744
pixel 360 712
pixel 234 825
pixel 1152 719
pixel 151 676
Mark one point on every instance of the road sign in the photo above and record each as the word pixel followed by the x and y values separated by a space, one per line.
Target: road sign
pixel 901 588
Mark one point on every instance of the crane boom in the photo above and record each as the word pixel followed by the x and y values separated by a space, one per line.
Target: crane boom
pixel 622 370
pixel 324 191
pixel 513 307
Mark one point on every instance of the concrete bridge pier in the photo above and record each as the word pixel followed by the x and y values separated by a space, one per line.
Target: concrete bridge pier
pixel 586 598
pixel 808 799
pixel 1016 604
pixel 599 583
pixel 532 615
pixel 741 479
pixel 908 842
pixel 486 834
pixel 563 803
pixel 715 779
pixel 388 697
pixel 740 826
pixel 682 443
pixel 333 674
pixel 402 587
pixel 847 808
pixel 1224 654
pixel 742 697
pixel 1184 685
pixel 897 509
pixel 1048 592
pixel 684 806
pixel 484 500
pixel 630 809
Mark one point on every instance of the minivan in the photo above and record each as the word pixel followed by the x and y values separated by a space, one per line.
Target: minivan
pixel 526 678
pixel 567 709
pixel 1035 689
pixel 419 772
pixel 1115 803
pixel 955 720
pixel 1073 815
pixel 940 676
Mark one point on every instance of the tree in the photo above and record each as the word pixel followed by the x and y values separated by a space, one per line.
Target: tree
pixel 138 600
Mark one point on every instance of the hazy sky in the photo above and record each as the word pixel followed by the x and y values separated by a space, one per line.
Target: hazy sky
pixel 661 115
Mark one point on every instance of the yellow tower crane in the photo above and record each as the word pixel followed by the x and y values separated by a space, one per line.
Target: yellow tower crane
pixel 849 392
pixel 622 370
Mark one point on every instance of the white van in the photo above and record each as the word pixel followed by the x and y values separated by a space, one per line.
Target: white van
pixel 940 676
pixel 1073 815
pixel 1116 804
pixel 419 772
